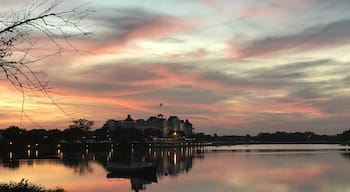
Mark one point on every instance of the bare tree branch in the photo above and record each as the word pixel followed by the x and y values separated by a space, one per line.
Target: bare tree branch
pixel 19 34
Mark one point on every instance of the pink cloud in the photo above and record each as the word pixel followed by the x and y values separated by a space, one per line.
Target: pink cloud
pixel 135 94
pixel 156 28
pixel 169 76
pixel 159 27
pixel 238 51
pixel 234 50
pixel 211 3
pixel 151 29
pixel 199 54
pixel 105 98
pixel 249 12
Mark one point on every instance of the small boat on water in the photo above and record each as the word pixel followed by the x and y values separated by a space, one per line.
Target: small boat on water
pixel 140 174
pixel 139 167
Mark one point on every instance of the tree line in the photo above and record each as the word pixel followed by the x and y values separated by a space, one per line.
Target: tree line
pixel 284 137
pixel 80 132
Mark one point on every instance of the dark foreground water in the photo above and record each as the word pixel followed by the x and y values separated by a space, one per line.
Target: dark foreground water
pixel 258 168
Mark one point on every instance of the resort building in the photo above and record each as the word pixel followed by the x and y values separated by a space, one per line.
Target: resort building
pixel 167 127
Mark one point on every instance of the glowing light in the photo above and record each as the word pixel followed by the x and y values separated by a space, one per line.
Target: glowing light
pixel 175 158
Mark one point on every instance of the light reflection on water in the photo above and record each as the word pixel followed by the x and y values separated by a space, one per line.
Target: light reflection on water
pixel 284 168
pixel 282 147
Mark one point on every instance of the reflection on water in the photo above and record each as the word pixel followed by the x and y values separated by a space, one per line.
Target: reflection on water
pixel 232 168
pixel 84 163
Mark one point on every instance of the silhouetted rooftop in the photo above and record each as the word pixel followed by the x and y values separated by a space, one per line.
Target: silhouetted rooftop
pixel 129 118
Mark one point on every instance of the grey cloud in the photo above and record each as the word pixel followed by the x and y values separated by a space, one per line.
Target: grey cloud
pixel 290 74
pixel 334 105
pixel 106 78
pixel 300 66
pixel 227 79
pixel 308 92
pixel 128 19
pixel 186 94
pixel 121 73
pixel 293 78
pixel 117 23
pixel 346 79
pixel 332 34
pixel 116 78
pixel 329 4
pixel 92 86
pixel 121 78
pixel 170 40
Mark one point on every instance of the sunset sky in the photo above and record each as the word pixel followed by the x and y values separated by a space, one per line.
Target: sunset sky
pixel 230 67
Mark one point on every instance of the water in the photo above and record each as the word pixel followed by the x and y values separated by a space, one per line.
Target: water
pixel 244 168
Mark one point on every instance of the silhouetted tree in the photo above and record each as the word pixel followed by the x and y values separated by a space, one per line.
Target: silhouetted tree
pixel 83 124
pixel 202 137
pixel 55 135
pixel 126 135
pixel 73 134
pixel 78 130
pixel 13 136
pixel 344 136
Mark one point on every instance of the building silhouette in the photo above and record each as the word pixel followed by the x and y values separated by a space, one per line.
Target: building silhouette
pixel 173 126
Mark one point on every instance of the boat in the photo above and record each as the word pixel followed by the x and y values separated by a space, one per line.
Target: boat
pixel 140 174
pixel 139 167
pixel 138 180
pixel 147 177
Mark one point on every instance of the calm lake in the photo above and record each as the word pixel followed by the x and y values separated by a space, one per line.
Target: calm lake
pixel 243 168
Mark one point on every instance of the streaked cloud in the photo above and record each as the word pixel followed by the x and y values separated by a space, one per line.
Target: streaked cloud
pixel 309 39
